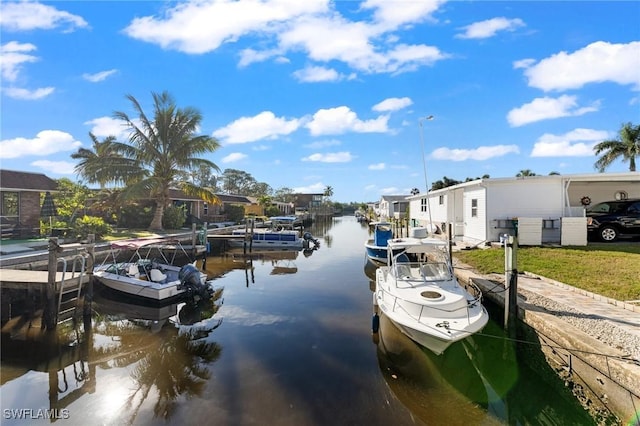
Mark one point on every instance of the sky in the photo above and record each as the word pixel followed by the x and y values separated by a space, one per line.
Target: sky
pixel 310 94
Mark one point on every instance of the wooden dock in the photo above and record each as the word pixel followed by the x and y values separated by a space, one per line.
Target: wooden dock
pixel 21 279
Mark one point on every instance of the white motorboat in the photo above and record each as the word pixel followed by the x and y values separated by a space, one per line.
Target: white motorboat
pixel 150 273
pixel 419 292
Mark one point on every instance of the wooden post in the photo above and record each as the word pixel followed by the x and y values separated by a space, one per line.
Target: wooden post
pixel 194 239
pixel 50 297
pixel 511 283
pixel 251 236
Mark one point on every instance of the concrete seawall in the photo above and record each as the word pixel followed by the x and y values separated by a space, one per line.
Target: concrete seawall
pixel 602 376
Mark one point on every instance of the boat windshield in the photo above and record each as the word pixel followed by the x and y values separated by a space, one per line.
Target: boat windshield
pixel 424 271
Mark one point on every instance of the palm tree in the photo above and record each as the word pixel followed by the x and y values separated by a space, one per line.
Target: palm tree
pixel 96 164
pixel 415 191
pixel 626 147
pixel 525 172
pixel 328 191
pixel 162 148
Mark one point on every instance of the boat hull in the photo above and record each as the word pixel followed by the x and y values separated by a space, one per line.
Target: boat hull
pixel 270 239
pixel 432 323
pixel 144 289
pixel 376 253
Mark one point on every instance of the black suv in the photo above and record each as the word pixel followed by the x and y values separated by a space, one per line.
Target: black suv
pixel 610 219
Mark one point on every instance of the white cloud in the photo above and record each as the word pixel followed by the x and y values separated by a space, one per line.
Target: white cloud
pixel 392 104
pixel 27 94
pixel 46 142
pixel 57 167
pixel 576 143
pixel 548 108
pixel 107 126
pixel 316 188
pixel 323 144
pixel 233 157
pixel 389 15
pixel 199 27
pixel 314 74
pixel 249 56
pixel 331 157
pixel 378 166
pixel 480 154
pixel 282 26
pixel 27 16
pixel 99 76
pixel 13 56
pixel 490 27
pixel 596 63
pixel 341 120
pixel 262 126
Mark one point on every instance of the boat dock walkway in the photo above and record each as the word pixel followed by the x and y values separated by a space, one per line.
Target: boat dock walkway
pixel 21 279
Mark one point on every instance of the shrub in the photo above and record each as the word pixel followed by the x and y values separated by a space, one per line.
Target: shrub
pixel 234 213
pixel 91 225
pixel 174 217
pixel 272 211
pixel 135 216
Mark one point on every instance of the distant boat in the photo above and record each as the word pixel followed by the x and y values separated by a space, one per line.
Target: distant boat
pixel 150 274
pixel 419 292
pixel 376 247
pixel 274 238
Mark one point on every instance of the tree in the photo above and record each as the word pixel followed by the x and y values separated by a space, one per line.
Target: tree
pixel 160 148
pixel 626 148
pixel 96 164
pixel 328 192
pixel 237 182
pixel 284 195
pixel 525 172
pixel 415 191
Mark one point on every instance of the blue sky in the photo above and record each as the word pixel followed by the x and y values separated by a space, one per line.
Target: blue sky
pixel 309 94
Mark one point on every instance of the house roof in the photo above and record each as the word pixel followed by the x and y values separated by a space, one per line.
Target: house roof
pixel 11 180
pixel 240 199
pixel 567 179
pixel 176 194
pixel 392 198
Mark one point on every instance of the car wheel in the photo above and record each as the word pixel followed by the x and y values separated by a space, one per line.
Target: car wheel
pixel 608 234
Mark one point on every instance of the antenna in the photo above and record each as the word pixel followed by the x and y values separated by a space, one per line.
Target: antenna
pixel 424 167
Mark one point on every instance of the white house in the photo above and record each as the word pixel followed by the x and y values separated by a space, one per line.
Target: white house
pixel 545 208
pixel 392 206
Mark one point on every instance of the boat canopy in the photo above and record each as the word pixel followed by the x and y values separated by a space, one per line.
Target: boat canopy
pixel 142 242
pixel 416 245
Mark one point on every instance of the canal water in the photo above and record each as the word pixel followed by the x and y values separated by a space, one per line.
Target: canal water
pixel 287 341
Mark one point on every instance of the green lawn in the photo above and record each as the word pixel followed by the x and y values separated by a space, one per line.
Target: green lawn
pixel 611 270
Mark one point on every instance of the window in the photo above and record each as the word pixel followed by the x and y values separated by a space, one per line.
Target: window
pixel 9 206
pixel 474 207
pixel 423 205
pixel 441 200
pixel 206 208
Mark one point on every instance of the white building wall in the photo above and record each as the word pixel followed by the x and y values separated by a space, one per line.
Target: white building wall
pixel 524 198
pixel 475 226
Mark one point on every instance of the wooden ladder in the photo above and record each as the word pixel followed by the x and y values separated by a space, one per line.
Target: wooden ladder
pixel 70 289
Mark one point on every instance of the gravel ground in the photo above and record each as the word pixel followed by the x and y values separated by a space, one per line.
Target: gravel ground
pixel 601 329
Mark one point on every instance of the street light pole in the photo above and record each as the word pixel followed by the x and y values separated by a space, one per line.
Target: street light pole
pixel 424 167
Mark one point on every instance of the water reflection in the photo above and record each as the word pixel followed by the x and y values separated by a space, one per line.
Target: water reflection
pixel 438 390
pixel 167 351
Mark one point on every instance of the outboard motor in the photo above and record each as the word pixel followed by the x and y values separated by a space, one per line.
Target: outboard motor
pixel 190 281
pixel 308 239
